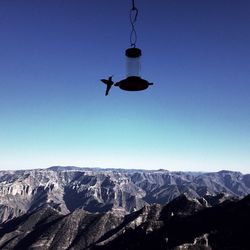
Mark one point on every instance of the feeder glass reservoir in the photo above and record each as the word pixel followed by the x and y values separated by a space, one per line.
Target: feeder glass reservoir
pixel 133 62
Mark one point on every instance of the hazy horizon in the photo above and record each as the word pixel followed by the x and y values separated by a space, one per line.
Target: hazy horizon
pixel 121 168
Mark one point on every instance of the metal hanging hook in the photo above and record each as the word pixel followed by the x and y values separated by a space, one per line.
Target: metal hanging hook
pixel 133 17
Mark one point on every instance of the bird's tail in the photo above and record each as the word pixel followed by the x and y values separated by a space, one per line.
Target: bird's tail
pixel 108 89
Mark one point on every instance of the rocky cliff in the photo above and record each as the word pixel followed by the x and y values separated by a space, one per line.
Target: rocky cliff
pixel 102 190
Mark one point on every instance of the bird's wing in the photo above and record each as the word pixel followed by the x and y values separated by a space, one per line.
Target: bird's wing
pixel 105 81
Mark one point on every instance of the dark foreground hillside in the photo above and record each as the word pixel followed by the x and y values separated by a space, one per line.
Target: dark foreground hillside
pixel 183 223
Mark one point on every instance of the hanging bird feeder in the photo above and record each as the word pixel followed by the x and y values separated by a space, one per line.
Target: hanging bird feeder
pixel 133 81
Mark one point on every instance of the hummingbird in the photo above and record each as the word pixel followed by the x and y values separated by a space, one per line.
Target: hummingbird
pixel 109 82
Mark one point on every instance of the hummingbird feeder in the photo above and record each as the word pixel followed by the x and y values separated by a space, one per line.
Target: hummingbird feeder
pixel 133 81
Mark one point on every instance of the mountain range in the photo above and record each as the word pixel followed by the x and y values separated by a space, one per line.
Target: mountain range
pixel 123 209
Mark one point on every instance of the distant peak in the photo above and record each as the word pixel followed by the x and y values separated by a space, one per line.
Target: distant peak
pixel 63 168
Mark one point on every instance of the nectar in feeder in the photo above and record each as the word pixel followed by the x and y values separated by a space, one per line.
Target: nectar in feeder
pixel 133 61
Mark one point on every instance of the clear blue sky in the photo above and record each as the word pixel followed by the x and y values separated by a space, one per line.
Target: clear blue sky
pixel 53 110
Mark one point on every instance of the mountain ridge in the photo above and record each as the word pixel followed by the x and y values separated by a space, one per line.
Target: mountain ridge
pixel 102 190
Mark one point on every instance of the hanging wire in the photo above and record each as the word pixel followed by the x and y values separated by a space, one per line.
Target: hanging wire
pixel 133 17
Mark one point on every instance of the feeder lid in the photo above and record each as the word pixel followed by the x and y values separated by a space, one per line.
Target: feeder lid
pixel 133 83
pixel 133 52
